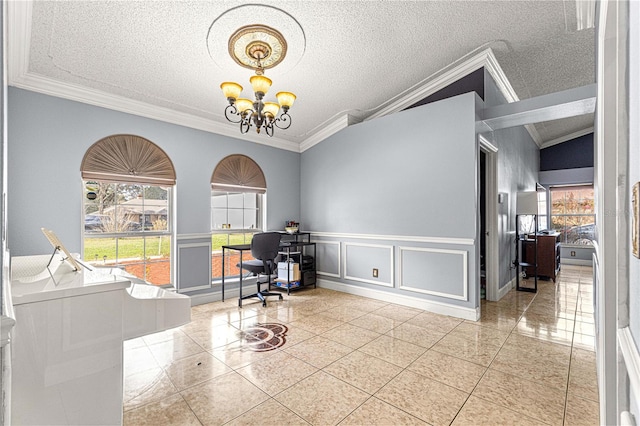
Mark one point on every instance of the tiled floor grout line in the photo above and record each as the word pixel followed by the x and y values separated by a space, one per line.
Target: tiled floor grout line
pixel 566 395
pixel 178 392
pixel 392 378
pixel 489 366
pixel 431 347
pixel 342 322
pixel 333 362
pixel 510 333
pixel 356 349
pixel 235 370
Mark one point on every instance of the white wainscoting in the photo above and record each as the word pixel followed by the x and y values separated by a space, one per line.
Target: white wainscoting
pixel 432 274
pixel 579 262
pixel 472 314
pixel 631 358
pixel 338 257
pixel 193 275
pixel 376 247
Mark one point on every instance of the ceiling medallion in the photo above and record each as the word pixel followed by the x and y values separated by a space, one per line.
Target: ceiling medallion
pixel 257 47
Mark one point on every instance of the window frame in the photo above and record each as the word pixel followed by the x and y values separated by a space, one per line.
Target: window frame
pixel 260 216
pixel 235 174
pixel 142 233
pixel 566 188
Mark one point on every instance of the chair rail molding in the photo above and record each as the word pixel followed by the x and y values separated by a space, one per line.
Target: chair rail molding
pixel 405 238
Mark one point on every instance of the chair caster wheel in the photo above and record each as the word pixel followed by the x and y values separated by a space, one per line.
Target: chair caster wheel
pixel 264 304
pixel 281 297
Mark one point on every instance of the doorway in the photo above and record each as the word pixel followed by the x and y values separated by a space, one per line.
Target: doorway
pixel 482 206
pixel 487 243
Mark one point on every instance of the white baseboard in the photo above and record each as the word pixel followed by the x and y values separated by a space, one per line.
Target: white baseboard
pixel 581 262
pixel 215 295
pixel 631 358
pixel 472 314
pixel 505 289
pixel 201 299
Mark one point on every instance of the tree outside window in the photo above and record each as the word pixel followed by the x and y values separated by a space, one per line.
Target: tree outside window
pixel 126 225
pixel 573 213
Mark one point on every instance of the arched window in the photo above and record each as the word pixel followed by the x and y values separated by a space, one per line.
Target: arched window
pixel 238 191
pixel 127 200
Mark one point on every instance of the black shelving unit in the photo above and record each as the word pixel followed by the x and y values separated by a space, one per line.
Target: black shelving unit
pixel 297 252
pixel 526 263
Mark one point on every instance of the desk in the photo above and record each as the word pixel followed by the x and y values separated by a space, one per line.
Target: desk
pixel 308 274
pixel 295 237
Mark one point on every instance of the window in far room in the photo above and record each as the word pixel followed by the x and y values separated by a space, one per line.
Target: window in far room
pixel 573 213
pixel 127 198
pixel 238 192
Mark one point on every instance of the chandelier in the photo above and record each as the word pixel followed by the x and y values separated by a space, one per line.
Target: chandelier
pixel 257 47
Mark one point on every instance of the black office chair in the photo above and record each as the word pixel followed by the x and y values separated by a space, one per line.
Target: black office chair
pixel 264 247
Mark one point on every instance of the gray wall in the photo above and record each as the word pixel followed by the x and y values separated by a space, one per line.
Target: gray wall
pixel 577 254
pixel 518 165
pixel 48 137
pixel 393 175
pixel 411 174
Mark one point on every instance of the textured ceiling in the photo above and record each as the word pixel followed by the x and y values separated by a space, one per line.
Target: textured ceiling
pixel 351 57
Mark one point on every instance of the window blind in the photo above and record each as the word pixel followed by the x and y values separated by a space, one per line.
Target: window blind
pixel 238 173
pixel 128 159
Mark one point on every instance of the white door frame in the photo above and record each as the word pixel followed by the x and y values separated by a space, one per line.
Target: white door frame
pixel 491 217
pixel 611 171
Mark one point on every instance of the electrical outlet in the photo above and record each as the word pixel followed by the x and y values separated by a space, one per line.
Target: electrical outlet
pixel 375 272
pixel 573 254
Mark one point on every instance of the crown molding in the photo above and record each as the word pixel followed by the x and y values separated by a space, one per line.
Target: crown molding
pixel 453 73
pixel 48 86
pixel 331 128
pixel 437 81
pixel 18 30
pixel 19 36
pixel 568 137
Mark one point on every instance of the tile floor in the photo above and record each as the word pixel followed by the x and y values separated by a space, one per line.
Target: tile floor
pixel 351 360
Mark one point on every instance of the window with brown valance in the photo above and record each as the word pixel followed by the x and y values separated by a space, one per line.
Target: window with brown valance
pixel 128 158
pixel 240 173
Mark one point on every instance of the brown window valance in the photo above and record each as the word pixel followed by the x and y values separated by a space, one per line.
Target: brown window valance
pixel 128 158
pixel 240 173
